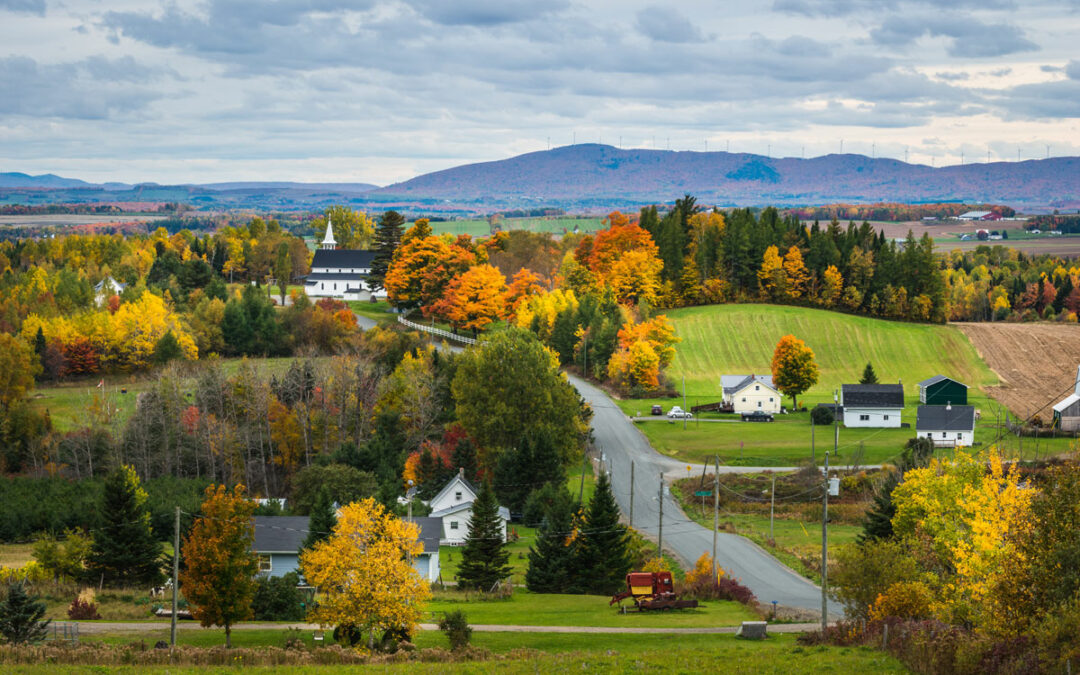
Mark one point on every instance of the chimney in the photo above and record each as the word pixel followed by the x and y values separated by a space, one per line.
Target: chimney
pixel 948 405
pixel 461 472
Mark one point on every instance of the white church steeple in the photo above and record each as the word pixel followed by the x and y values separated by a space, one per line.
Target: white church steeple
pixel 328 243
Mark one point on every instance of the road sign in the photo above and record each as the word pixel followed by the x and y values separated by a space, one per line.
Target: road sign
pixel 703 493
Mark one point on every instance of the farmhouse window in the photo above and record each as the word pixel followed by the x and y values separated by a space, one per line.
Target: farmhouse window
pixel 457 495
pixel 944 435
pixel 322 287
pixel 886 417
pixel 770 399
pixel 264 563
pixel 864 418
pixel 757 388
pixel 759 404
pixel 744 399
pixel 453 524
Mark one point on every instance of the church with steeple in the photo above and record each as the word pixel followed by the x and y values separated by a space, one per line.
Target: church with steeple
pixel 340 273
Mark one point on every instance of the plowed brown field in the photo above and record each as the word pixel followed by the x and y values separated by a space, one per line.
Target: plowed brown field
pixel 1036 362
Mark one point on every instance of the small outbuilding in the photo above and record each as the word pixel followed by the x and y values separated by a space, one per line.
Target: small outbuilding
pixel 872 405
pixel 948 426
pixel 1067 410
pixel 941 390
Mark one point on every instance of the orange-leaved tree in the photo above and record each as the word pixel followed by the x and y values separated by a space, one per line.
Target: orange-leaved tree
pixel 220 567
pixel 524 285
pixel 475 299
pixel 793 367
pixel 363 572
pixel 408 268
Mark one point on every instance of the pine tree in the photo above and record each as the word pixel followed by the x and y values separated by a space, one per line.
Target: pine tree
pixel 125 552
pixel 603 558
pixel 464 457
pixel 484 559
pixel 552 556
pixel 868 375
pixel 21 616
pixel 321 520
pixel 387 238
pixel 877 524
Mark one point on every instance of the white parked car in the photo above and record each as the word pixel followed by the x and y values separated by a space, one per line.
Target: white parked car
pixel 678 413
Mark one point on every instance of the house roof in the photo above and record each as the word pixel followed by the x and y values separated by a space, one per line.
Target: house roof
pixel 974 214
pixel 733 383
pixel 945 418
pixel 872 395
pixel 430 532
pixel 333 276
pixel 458 508
pixel 113 283
pixel 459 476
pixel 280 534
pixel 1064 403
pixel 939 378
pixel 342 258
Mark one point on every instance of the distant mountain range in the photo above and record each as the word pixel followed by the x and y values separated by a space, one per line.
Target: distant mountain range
pixel 592 176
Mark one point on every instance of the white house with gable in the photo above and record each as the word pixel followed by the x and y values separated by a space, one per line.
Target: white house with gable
pixel 750 393
pixel 454 505
pixel 872 405
pixel 340 273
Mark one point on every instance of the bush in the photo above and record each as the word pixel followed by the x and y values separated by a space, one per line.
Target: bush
pixel 821 416
pixel 83 610
pixel 278 599
pixel 457 629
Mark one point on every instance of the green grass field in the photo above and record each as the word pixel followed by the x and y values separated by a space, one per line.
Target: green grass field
pixel 379 311
pixel 581 652
pixel 739 339
pixel 554 224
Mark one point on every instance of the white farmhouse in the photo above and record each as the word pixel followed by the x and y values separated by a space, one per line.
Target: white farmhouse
pixel 750 393
pixel 948 426
pixel 105 289
pixel 340 273
pixel 454 505
pixel 872 405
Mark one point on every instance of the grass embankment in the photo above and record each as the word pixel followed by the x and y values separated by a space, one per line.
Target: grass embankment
pixel 481 228
pixel 739 339
pixel 377 311
pixel 591 652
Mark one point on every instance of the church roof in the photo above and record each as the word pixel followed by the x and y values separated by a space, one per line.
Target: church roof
pixel 329 238
pixel 342 258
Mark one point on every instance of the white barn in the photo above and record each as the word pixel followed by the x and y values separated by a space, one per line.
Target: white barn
pixel 454 505
pixel 872 405
pixel 340 273
pixel 750 393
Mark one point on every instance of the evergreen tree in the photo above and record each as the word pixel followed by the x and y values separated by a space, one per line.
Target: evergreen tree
pixel 387 238
pixel 552 556
pixel 877 524
pixel 868 375
pixel 534 463
pixel 125 552
pixel 322 518
pixel 484 559
pixel 167 349
pixel 21 616
pixel 464 457
pixel 603 556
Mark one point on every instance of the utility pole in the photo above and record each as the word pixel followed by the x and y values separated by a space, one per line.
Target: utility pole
pixel 813 447
pixel 684 411
pixel 772 508
pixel 585 352
pixel 631 494
pixel 715 515
pixel 825 550
pixel 660 529
pixel 584 468
pixel 175 574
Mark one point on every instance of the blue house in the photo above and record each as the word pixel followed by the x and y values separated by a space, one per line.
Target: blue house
pixel 278 540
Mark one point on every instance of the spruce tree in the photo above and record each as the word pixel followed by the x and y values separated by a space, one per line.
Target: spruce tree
pixel 387 238
pixel 552 557
pixel 868 375
pixel 877 524
pixel 21 616
pixel 125 552
pixel 464 457
pixel 484 559
pixel 321 520
pixel 603 558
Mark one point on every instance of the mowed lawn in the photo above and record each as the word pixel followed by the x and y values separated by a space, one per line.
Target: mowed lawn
pixel 481 228
pixel 740 339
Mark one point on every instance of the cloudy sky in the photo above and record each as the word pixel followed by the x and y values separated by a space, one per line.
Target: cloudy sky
pixel 381 90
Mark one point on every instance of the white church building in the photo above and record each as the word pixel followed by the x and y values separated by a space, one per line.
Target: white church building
pixel 340 273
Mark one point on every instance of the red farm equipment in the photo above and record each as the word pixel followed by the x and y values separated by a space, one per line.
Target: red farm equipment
pixel 651 590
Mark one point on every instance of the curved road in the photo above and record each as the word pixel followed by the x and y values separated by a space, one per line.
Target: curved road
pixel 621 443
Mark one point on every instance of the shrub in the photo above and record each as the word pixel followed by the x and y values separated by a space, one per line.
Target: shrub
pixel 457 629
pixel 821 416
pixel 903 600
pixel 278 599
pixel 83 610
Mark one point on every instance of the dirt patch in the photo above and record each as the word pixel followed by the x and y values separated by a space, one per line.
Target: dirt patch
pixel 1036 362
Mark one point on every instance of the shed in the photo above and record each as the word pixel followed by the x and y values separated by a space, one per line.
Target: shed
pixel 941 390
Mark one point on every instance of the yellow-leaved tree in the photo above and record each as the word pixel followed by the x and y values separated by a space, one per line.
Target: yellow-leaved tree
pixel 794 369
pixel 363 572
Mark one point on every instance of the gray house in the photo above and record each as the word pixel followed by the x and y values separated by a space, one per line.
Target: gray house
pixel 1067 410
pixel 278 540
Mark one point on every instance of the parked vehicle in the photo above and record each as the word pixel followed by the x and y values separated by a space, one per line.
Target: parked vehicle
pixel 657 409
pixel 757 416
pixel 651 590
pixel 677 413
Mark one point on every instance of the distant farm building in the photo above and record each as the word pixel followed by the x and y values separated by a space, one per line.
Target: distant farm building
pixel 1067 410
pixel 750 393
pixel 979 215
pixel 872 405
pixel 105 289
pixel 941 390
pixel 948 426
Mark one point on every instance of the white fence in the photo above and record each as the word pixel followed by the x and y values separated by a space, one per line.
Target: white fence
pixel 434 331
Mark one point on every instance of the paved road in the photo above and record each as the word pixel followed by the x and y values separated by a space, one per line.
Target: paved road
pixel 97 627
pixel 621 443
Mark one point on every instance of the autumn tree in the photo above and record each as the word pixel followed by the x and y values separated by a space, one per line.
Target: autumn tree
pixel 409 268
pixel 771 275
pixel 125 551
pixel 363 572
pixel 523 286
pixel 474 300
pixel 832 286
pixel 352 229
pixel 484 559
pixel 18 365
pixel 793 367
pixel 795 273
pixel 219 564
